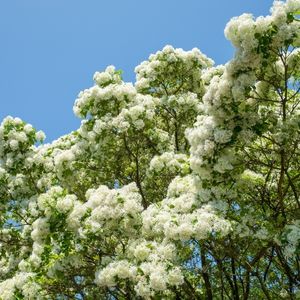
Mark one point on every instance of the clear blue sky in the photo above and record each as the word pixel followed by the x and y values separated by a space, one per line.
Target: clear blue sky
pixel 50 49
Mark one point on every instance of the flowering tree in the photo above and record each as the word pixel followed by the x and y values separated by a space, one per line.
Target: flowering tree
pixel 184 185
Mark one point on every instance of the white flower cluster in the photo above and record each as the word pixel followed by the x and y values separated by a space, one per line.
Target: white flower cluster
pixel 183 102
pixel 155 274
pixel 54 202
pixel 59 156
pixel 114 271
pixel 137 114
pixel 208 74
pixel 116 210
pixel 16 138
pixel 40 230
pixel 243 31
pixel 20 282
pixel 180 218
pixel 163 66
pixel 110 75
pixel 102 98
pixel 17 185
pixel 170 162
pixel 140 112
pixel 150 269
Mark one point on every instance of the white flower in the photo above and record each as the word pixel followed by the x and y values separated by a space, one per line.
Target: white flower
pixel 175 277
pixel 28 128
pixel 158 280
pixel 141 252
pixel 14 145
pixel 40 135
pixel 65 204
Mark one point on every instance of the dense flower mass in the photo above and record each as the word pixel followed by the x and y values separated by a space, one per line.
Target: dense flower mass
pixel 182 185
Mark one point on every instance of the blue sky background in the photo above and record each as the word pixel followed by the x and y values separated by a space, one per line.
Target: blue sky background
pixel 50 49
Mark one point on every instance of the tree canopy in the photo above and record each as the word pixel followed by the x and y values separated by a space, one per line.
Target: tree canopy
pixel 182 185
